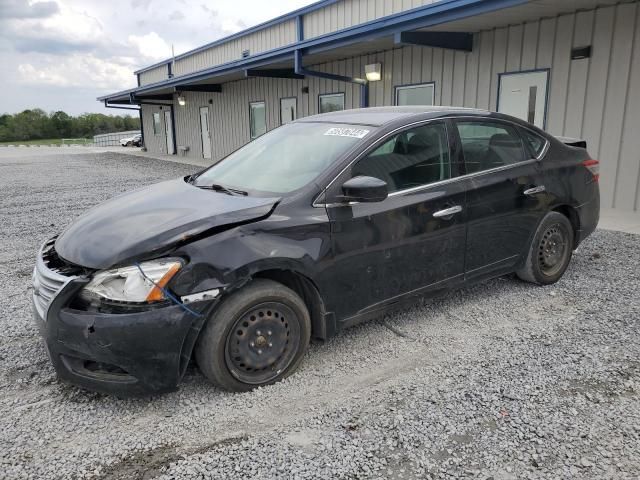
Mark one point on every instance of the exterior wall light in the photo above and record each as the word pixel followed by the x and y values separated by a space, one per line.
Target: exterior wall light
pixel 181 100
pixel 373 72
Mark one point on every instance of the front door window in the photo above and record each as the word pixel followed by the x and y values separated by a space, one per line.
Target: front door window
pixel 205 133
pixel 413 158
pixel 257 119
pixel 168 130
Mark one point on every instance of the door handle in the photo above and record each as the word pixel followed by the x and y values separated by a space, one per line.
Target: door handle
pixel 535 190
pixel 448 212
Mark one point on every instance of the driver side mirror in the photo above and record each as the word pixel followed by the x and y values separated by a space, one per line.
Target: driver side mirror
pixel 364 189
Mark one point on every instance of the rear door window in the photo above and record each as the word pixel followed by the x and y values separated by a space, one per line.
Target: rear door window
pixel 487 145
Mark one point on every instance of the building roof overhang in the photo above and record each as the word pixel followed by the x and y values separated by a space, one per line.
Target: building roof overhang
pixel 445 21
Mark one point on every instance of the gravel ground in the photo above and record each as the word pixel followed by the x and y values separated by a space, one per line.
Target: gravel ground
pixel 502 380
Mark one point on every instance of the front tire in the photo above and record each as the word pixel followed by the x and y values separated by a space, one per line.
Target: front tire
pixel 550 251
pixel 257 336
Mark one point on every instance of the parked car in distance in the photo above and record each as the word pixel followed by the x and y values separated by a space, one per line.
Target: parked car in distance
pixel 135 141
pixel 315 226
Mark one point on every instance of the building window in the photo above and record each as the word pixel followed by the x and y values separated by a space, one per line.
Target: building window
pixel 288 110
pixel 524 95
pixel 423 94
pixel 156 123
pixel 257 119
pixel 331 102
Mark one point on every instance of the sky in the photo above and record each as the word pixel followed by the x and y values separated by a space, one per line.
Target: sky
pixel 62 54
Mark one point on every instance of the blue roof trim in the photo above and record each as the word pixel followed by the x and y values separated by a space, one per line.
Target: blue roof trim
pixel 428 15
pixel 437 13
pixel 261 26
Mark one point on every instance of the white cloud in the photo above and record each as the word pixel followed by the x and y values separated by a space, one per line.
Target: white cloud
pixel 234 25
pixel 78 71
pixel 74 24
pixel 23 9
pixel 176 15
pixel 150 45
pixel 51 50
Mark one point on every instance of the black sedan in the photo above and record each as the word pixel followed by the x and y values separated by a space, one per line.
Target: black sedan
pixel 316 226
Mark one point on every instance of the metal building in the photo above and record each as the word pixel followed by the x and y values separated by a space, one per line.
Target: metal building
pixel 569 66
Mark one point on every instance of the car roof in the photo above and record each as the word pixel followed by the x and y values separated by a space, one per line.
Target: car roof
pixel 380 116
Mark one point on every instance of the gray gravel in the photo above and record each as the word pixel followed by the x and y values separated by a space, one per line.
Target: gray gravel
pixel 502 380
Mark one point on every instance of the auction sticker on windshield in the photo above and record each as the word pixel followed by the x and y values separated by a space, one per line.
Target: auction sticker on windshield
pixel 347 132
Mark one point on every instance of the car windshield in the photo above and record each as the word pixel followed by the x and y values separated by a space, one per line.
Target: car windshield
pixel 284 159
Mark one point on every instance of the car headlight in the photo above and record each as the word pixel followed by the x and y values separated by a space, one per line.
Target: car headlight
pixel 137 283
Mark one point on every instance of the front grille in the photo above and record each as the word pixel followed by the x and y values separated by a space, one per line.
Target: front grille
pixel 50 275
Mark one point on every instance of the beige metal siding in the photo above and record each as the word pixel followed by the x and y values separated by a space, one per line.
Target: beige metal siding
pixel 261 41
pixel 154 75
pixel 596 99
pixel 347 13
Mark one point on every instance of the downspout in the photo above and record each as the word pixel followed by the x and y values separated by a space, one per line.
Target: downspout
pixel 144 145
pixel 300 70
pixel 364 84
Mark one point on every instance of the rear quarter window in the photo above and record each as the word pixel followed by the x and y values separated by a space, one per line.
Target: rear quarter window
pixel 534 142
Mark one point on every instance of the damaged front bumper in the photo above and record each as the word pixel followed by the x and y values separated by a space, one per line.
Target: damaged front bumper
pixel 122 354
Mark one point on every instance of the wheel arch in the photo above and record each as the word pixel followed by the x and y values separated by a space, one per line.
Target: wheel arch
pixel 307 290
pixel 572 214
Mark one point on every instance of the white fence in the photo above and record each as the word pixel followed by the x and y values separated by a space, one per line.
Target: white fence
pixel 112 139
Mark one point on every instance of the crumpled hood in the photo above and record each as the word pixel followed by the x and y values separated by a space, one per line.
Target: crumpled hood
pixel 153 219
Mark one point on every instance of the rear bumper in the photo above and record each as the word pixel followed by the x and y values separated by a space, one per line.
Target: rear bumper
pixel 121 354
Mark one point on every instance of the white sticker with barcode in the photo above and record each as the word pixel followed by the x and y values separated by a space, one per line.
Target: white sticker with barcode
pixel 347 132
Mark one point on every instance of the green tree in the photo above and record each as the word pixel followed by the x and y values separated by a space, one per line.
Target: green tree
pixel 62 124
pixel 36 124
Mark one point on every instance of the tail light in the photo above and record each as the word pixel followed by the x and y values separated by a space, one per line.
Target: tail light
pixel 594 168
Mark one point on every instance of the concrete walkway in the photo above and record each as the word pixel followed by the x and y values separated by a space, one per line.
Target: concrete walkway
pixel 200 162
pixel 619 220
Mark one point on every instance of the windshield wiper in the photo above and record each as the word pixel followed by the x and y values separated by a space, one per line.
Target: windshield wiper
pixel 221 188
pixel 192 178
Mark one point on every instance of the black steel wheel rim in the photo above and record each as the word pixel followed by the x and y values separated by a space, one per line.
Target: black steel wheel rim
pixel 553 249
pixel 263 342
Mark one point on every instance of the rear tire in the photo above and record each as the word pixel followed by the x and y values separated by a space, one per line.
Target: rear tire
pixel 550 251
pixel 257 336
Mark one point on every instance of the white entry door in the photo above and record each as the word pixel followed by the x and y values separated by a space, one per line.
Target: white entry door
pixel 168 130
pixel 524 95
pixel 204 132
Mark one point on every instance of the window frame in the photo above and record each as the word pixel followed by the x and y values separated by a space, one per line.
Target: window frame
pixel 296 107
pixel 409 86
pixel 332 94
pixel 320 201
pixel 456 173
pixel 498 121
pixel 528 147
pixel 449 145
pixel 547 71
pixel 251 104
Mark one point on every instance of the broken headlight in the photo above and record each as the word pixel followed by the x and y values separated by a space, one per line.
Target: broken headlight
pixel 140 283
